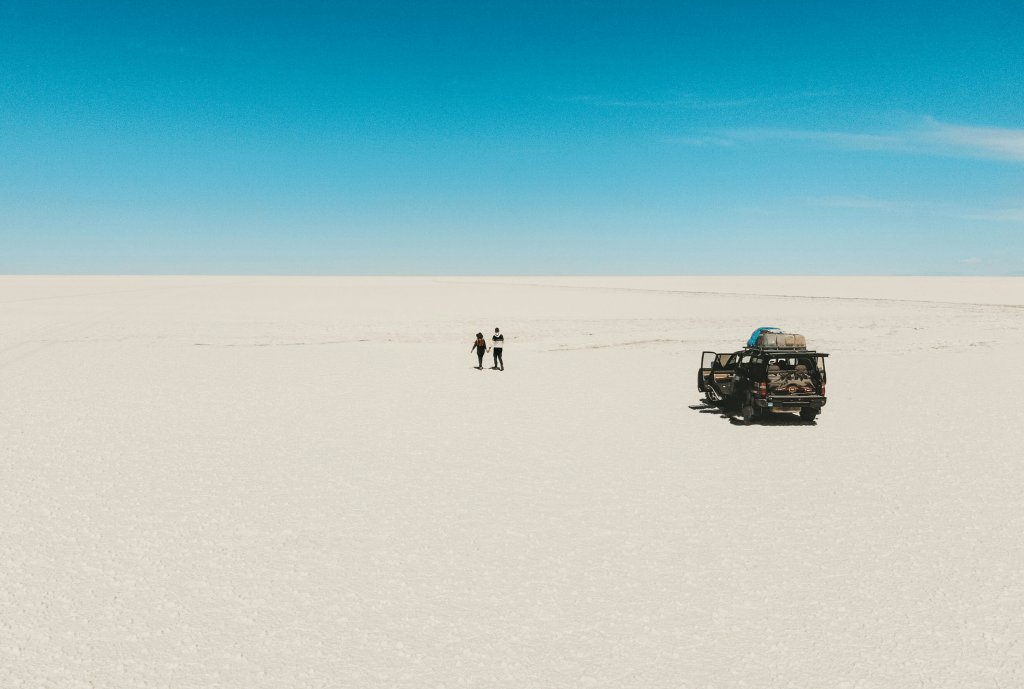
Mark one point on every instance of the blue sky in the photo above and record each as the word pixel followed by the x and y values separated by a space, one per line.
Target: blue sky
pixel 512 138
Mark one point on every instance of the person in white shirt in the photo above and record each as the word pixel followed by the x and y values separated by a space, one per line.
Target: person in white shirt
pixel 499 343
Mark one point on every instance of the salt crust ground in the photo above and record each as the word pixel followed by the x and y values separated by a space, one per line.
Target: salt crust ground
pixel 301 482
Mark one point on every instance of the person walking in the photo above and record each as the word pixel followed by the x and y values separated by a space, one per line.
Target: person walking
pixel 499 344
pixel 481 348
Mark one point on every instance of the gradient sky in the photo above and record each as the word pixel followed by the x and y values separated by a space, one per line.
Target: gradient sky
pixel 512 138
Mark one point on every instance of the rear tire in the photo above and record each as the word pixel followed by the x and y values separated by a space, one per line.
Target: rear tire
pixel 809 413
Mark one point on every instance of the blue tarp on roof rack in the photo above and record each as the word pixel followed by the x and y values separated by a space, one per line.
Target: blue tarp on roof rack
pixel 752 342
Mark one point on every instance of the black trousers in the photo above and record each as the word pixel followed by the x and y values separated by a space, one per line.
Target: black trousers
pixel 480 351
pixel 497 358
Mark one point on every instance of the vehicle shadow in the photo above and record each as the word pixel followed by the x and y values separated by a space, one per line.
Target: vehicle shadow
pixel 766 420
pixel 775 420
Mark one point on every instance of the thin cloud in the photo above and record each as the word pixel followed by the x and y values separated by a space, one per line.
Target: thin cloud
pixel 972 261
pixel 1000 215
pixel 931 137
pixel 684 102
pixel 850 140
pixel 691 101
pixel 859 202
pixel 737 137
pixel 984 142
pixel 701 141
pixel 943 210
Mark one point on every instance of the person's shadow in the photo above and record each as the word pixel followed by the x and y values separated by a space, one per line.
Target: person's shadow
pixel 705 408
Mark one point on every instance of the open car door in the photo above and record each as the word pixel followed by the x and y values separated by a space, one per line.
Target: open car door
pixel 707 361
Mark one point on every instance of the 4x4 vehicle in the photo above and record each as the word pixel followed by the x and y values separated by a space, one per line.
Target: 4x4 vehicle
pixel 781 377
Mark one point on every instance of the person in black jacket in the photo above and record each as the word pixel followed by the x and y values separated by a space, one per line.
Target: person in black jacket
pixel 481 348
pixel 499 344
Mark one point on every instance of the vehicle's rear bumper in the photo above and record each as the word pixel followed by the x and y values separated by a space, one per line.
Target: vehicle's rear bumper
pixel 773 401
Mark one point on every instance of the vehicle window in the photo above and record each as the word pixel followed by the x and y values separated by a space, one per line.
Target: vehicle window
pixel 746 359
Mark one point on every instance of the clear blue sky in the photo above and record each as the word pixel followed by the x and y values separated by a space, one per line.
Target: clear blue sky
pixel 512 138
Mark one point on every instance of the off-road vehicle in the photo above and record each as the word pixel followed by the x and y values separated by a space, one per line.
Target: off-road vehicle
pixel 778 374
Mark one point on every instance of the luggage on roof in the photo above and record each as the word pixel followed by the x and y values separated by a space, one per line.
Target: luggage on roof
pixel 752 341
pixel 780 340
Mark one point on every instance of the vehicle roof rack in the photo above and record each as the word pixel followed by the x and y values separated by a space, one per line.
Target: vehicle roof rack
pixel 783 351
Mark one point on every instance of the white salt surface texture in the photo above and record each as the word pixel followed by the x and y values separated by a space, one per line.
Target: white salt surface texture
pixel 303 482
